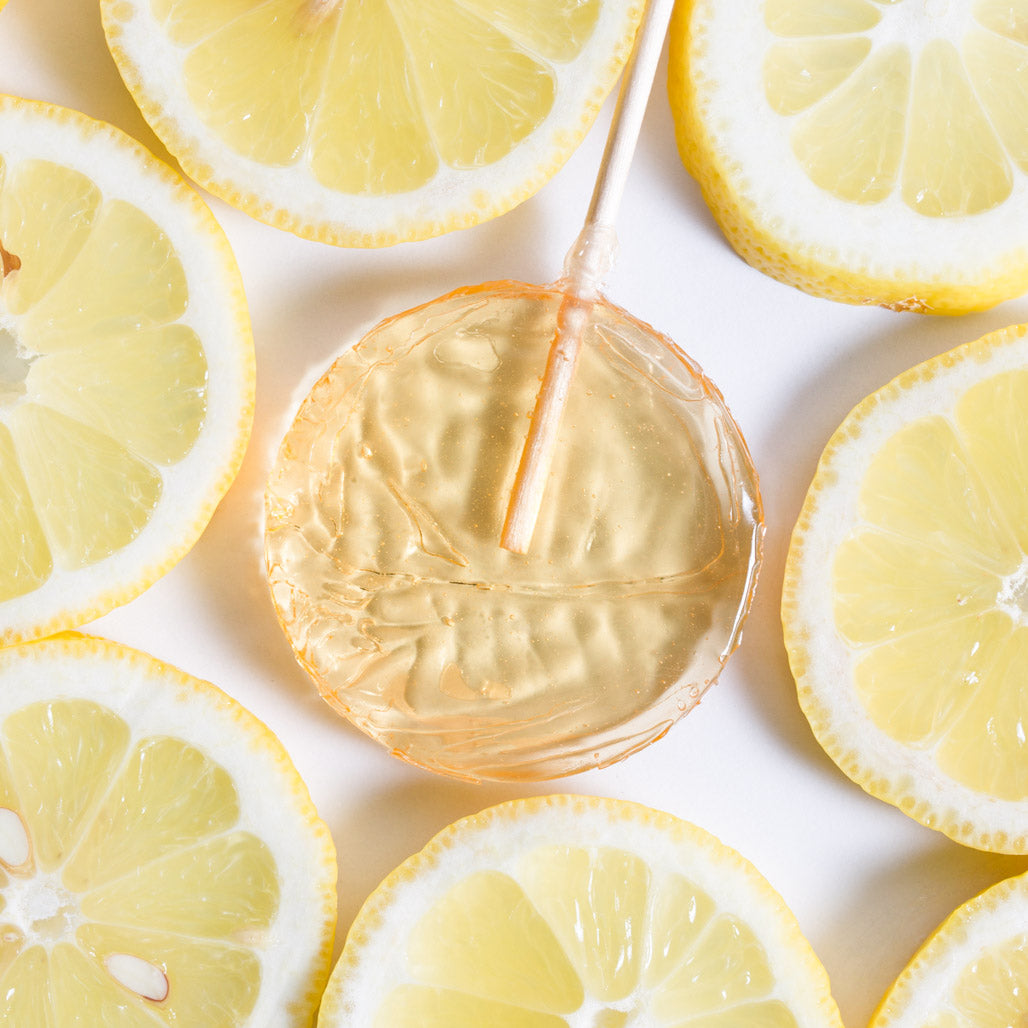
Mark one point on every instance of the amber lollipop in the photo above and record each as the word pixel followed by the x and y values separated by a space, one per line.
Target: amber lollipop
pixel 497 580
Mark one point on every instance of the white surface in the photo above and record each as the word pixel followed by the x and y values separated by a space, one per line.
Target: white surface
pixel 866 883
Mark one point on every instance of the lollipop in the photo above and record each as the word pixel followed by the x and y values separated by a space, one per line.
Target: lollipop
pixel 500 581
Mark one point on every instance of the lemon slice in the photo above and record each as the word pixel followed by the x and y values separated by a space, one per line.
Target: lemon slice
pixel 906 594
pixel 160 859
pixel 971 972
pixel 126 368
pixel 870 151
pixel 570 912
pixel 364 124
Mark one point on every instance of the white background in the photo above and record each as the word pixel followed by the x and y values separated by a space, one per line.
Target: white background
pixel 865 882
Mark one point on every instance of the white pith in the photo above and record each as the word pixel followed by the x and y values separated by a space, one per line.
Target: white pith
pixel 1012 597
pixel 15 361
pixel 40 908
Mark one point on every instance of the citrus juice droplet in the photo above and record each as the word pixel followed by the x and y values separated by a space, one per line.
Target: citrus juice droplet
pixel 385 510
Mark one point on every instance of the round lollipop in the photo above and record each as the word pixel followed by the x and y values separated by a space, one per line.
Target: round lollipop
pixel 500 581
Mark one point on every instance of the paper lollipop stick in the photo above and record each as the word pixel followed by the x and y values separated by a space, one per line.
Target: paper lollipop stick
pixel 585 266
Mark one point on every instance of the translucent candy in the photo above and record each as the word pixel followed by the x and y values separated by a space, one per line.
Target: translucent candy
pixel 384 514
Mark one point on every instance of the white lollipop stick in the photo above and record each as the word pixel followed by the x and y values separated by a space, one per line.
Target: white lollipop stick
pixel 585 266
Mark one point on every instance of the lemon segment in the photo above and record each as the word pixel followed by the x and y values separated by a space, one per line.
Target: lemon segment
pixel 905 600
pixel 484 938
pixel 115 386
pixel 1006 19
pixel 810 18
pixel 852 144
pixel 994 68
pixel 225 887
pixel 58 786
pixel 627 916
pixel 25 559
pixel 994 979
pixel 991 421
pixel 367 124
pixel 864 151
pixel 191 21
pixel 167 795
pixel 215 984
pixel 391 150
pixel 557 29
pixel 126 368
pixel 571 887
pixel 162 861
pixel 511 92
pixel 413 1006
pixel 954 163
pixel 92 495
pixel 260 105
pixel 681 913
pixel 964 651
pixel 47 212
pixel 21 987
pixel 126 277
pixel 81 989
pixel 799 73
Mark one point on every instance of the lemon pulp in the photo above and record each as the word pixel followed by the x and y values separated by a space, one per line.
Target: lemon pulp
pixel 905 596
pixel 971 970
pixel 459 84
pixel 161 861
pixel 868 151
